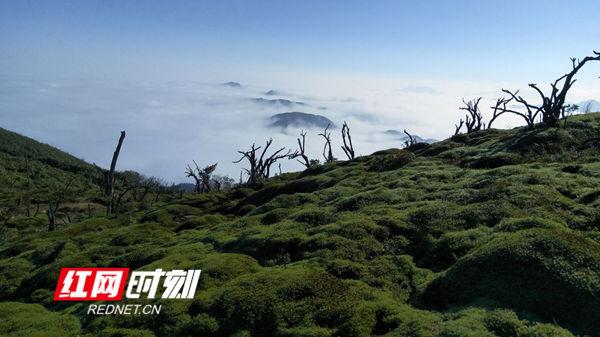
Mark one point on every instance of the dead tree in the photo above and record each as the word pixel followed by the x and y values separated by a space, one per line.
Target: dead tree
pixel 115 202
pixel 552 106
pixel 53 213
pixel 327 151
pixel 347 139
pixel 458 127
pixel 110 178
pixel 201 176
pixel 260 165
pixel 410 141
pixel 498 109
pixel 473 118
pixel 148 185
pixel 532 111
pixel 302 150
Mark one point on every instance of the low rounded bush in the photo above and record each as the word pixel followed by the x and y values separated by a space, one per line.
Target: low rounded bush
pixel 492 160
pixel 20 319
pixel 315 217
pixel 222 267
pixel 268 302
pixel 22 223
pixel 200 325
pixel 12 272
pixel 392 160
pixel 554 274
pixel 270 246
pixel 360 200
pixel 160 216
pixel 513 225
pixel 274 216
pixel 445 251
pixel 201 222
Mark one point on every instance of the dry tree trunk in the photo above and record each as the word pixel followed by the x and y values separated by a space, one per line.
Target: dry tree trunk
pixel 347 147
pixel 410 141
pixel 327 151
pixel 302 146
pixel 110 179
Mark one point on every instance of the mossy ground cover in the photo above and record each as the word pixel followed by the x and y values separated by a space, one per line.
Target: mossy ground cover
pixel 489 234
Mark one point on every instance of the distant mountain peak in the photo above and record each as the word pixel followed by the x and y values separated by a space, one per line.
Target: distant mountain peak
pixel 590 105
pixel 276 101
pixel 232 84
pixel 299 119
pixel 272 93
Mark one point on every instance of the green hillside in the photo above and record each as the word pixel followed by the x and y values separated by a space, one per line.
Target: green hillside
pixel 32 173
pixel 494 233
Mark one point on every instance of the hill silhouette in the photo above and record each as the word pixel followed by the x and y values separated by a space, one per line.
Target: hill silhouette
pixel 299 120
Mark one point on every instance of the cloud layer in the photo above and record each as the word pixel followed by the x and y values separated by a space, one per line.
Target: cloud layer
pixel 171 123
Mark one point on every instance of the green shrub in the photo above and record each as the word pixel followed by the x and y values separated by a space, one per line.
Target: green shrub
pixel 33 320
pixel 270 245
pixel 345 269
pixel 516 224
pixel 12 272
pixel 302 185
pixel 302 331
pixel 274 216
pixel 392 160
pixel 492 160
pixel 360 200
pixel 23 223
pixel 201 222
pixel 263 303
pixel 315 217
pixel 200 325
pixel 160 216
pixel 222 267
pixel 534 270
pixel 452 245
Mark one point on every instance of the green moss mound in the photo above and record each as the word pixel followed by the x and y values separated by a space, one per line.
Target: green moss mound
pixel 268 302
pixel 552 273
pixel 33 320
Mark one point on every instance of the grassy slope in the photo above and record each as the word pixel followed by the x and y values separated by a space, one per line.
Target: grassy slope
pixel 32 173
pixel 488 234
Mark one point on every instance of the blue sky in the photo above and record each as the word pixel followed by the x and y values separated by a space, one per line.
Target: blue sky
pixel 74 73
pixel 179 39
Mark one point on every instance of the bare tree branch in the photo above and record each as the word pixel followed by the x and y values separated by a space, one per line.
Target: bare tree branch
pixel 498 109
pixel 410 141
pixel 473 119
pixel 260 167
pixel 552 106
pixel 347 139
pixel 201 176
pixel 327 151
pixel 302 150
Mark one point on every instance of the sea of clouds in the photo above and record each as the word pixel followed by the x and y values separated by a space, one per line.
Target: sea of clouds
pixel 171 123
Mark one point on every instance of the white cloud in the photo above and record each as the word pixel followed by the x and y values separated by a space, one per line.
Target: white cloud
pixel 171 123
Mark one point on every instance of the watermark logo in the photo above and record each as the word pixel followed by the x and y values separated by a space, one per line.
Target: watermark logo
pixel 90 284
pixel 108 284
